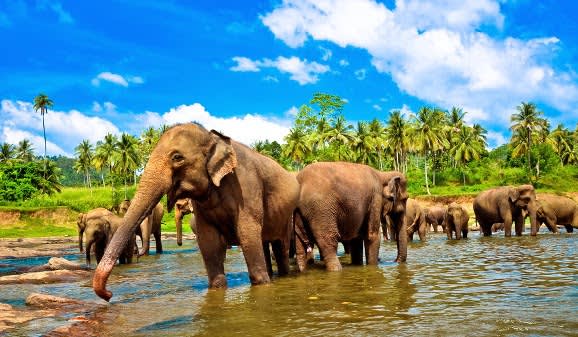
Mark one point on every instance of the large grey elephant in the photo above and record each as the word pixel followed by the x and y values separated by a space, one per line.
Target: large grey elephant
pixel 557 210
pixel 151 225
pixel 99 225
pixel 346 202
pixel 506 204
pixel 456 221
pixel 434 216
pixel 240 197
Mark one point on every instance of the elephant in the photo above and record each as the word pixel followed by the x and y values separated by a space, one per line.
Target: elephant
pixel 240 197
pixel 182 208
pixel 150 225
pixel 506 204
pixel 556 210
pixel 414 220
pixel 345 202
pixel 434 216
pixel 499 226
pixel 456 221
pixel 99 226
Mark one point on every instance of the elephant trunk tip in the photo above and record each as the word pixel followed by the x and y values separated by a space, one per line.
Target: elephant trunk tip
pixel 99 284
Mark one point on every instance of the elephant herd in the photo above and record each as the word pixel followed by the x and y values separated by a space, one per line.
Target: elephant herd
pixel 246 199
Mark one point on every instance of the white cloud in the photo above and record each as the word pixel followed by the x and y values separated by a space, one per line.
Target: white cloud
pixel 343 63
pixel 301 71
pixel 270 78
pixel 64 130
pixel 327 54
pixel 404 110
pixel 435 50
pixel 116 79
pixel 63 16
pixel 360 74
pixel 292 112
pixel 496 139
pixel 244 64
pixel 376 107
pixel 96 107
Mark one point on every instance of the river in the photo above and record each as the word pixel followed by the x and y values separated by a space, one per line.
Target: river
pixel 483 286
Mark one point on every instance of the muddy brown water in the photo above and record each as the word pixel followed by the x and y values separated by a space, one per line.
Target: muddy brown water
pixel 492 286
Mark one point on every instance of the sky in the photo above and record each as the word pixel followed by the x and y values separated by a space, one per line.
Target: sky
pixel 245 67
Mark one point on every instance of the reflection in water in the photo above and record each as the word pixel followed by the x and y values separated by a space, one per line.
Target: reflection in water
pixel 520 286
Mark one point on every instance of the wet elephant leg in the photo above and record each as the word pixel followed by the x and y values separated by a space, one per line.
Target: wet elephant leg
pixel 145 229
pixel 249 232
pixel 213 249
pixel 372 250
pixel 267 253
pixel 356 250
pixel 281 256
pixel 158 242
pixel 99 248
pixel 485 228
pixel 327 243
pixel 519 225
pixel 551 224
pixel 507 224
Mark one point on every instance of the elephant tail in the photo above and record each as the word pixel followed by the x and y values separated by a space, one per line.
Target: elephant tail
pixel 300 230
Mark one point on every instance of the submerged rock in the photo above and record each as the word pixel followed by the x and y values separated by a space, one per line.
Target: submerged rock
pixel 10 317
pixel 52 276
pixel 60 263
pixel 49 301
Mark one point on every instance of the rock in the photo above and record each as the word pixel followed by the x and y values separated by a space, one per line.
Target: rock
pixel 60 263
pixel 10 317
pixel 49 301
pixel 53 276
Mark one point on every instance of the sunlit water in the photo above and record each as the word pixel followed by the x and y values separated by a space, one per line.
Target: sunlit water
pixel 492 286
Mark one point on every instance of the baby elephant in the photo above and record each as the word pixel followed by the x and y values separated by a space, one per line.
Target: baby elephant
pixel 456 221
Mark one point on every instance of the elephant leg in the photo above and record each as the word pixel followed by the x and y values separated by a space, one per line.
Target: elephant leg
pixel 302 244
pixel 328 244
pixel 384 231
pixel 249 232
pixel 449 232
pixel 519 225
pixel 569 228
pixel 88 248
pixel 400 231
pixel 507 224
pixel 372 251
pixel 485 228
pixel 267 253
pixel 421 232
pixel 281 252
pixel 159 243
pixel 458 232
pixel 179 226
pixel 356 245
pixel 465 231
pixel 213 249
pixel 145 229
pixel 551 224
pixel 99 248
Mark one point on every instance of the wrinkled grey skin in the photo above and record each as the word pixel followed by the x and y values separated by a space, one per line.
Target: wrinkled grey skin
pixel 456 221
pixel 99 225
pixel 434 216
pixel 556 210
pixel 415 220
pixel 182 208
pixel 240 197
pixel 506 205
pixel 346 202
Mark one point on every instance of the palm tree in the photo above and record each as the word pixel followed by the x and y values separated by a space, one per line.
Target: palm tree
pixel 148 141
pixel 428 135
pixel 84 154
pixel 363 145
pixel 339 135
pixel 50 182
pixel 7 152
pixel 42 103
pixel 560 141
pixel 524 123
pixel 297 146
pixel 25 151
pixel 397 140
pixel 126 157
pixel 376 132
pixel 466 147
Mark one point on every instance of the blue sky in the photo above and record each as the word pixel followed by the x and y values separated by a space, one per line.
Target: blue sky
pixel 244 67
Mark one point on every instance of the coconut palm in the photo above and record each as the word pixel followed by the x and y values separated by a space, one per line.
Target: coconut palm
pixel 560 141
pixel 148 141
pixel 25 151
pixel 50 182
pixel 362 144
pixel 103 155
pixel 428 136
pixel 84 154
pixel 42 103
pixel 525 123
pixel 466 148
pixel 396 138
pixel 126 158
pixel 340 136
pixel 7 152
pixel 377 134
pixel 297 146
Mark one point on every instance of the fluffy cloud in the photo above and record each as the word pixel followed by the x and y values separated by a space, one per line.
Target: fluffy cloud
pixel 360 74
pixel 436 51
pixel 116 79
pixel 301 71
pixel 64 130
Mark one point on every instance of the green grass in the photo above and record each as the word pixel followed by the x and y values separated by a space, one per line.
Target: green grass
pixel 37 230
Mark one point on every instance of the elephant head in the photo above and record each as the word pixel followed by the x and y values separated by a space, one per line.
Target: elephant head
pixel 187 162
pixel 81 224
pixel 182 207
pixel 524 198
pixel 123 207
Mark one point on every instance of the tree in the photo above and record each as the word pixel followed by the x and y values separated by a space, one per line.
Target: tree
pixel 42 103
pixel 396 138
pixel 376 132
pixel 525 123
pixel 25 151
pixel 297 146
pixel 7 152
pixel 103 155
pixel 126 158
pixel 84 154
pixel 339 136
pixel 466 147
pixel 363 145
pixel 428 136
pixel 560 140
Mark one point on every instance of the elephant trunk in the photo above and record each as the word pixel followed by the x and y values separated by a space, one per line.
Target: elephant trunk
pixel 154 183
pixel 532 209
pixel 80 234
pixel 179 226
pixel 89 243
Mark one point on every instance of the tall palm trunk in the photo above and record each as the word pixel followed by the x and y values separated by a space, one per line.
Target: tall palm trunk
pixel 426 179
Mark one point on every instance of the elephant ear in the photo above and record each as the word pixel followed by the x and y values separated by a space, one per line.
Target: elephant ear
pixel 393 187
pixel 222 159
pixel 513 195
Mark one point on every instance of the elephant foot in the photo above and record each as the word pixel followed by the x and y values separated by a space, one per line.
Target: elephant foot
pixel 218 282
pixel 333 264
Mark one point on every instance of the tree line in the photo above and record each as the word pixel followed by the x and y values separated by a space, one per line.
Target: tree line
pixel 432 146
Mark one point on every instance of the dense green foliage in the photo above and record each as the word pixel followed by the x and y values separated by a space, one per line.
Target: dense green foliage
pixel 22 180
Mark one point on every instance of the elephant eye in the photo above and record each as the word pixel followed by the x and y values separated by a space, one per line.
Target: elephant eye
pixel 177 157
